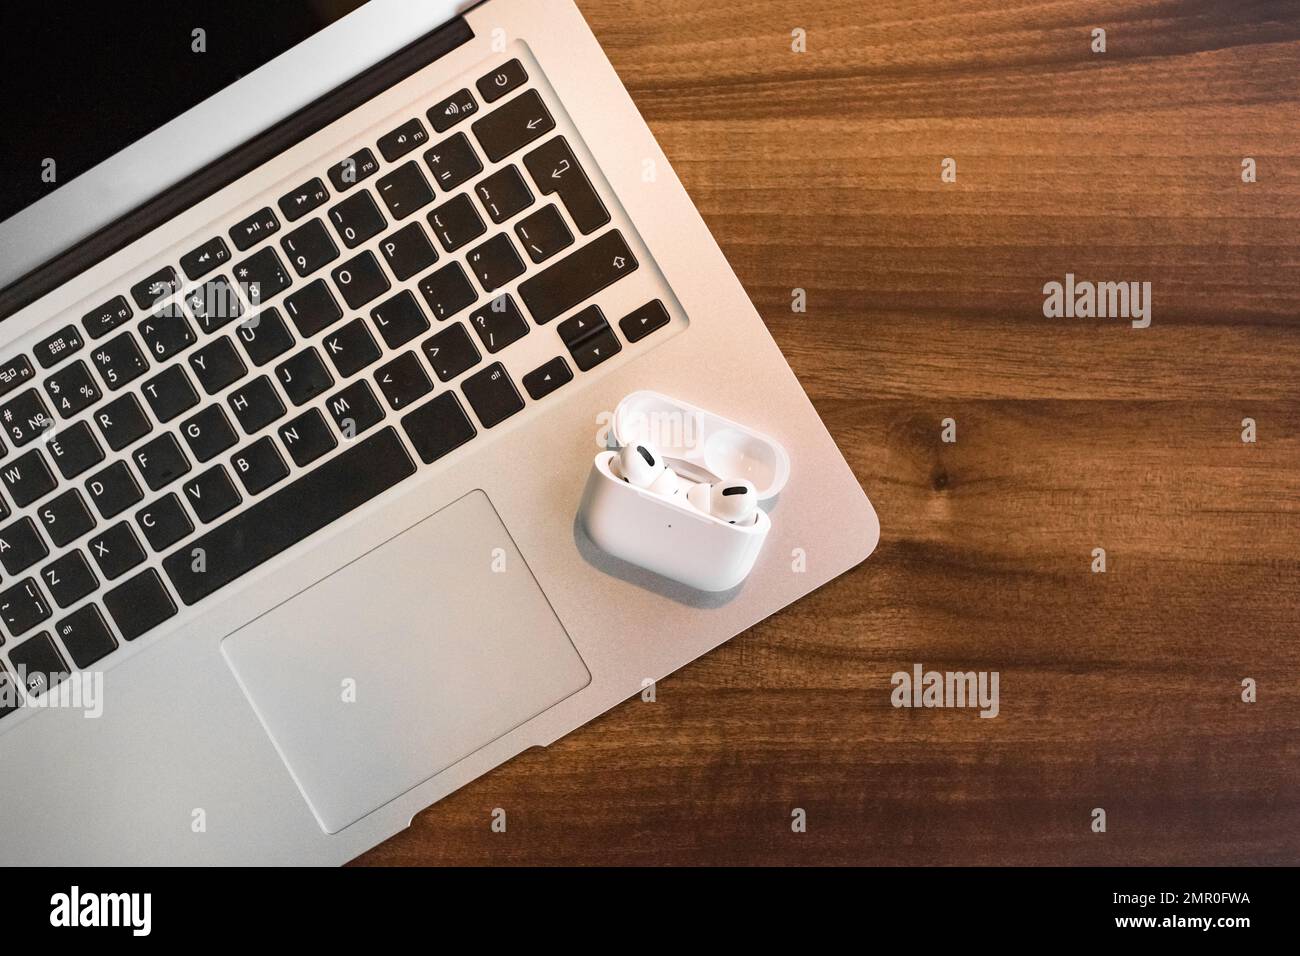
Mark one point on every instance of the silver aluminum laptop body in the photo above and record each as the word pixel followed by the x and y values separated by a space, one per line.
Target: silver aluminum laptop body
pixel 307 710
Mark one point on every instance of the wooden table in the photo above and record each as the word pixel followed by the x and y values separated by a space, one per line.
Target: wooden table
pixel 1120 690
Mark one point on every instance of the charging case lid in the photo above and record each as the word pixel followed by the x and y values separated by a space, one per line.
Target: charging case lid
pixel 680 430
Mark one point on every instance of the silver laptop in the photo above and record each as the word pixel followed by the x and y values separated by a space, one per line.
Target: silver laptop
pixel 296 430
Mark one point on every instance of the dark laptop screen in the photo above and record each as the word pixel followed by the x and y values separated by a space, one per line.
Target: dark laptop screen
pixel 82 81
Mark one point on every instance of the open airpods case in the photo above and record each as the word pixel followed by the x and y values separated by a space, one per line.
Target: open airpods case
pixel 669 536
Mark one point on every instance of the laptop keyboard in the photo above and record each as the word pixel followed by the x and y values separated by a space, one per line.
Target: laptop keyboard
pixel 262 390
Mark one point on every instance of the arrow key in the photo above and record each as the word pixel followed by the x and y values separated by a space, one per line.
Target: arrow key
pixel 545 379
pixel 649 318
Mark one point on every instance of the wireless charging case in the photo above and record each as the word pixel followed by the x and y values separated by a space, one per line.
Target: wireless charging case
pixel 668 535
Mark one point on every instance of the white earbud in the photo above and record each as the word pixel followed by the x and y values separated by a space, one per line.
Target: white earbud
pixel 735 502
pixel 641 465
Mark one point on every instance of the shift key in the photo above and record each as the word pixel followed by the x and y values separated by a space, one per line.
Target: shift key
pixel 577 277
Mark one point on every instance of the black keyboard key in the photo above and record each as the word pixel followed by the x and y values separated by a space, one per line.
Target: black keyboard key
pixel 27 478
pixel 100 321
pixel 410 135
pixel 499 323
pixel 545 379
pixel 208 433
pixel 298 510
pixel 309 247
pixel 403 381
pixel 438 427
pixel 310 195
pixel 259 466
pixel 23 606
pixel 456 223
pixel 453 162
pixel 116 550
pixel 504 194
pixel 399 320
pixel 404 190
pixel 211 494
pixel 492 395
pixel 14 373
pixel 495 262
pixel 451 352
pixel 66 517
pixel 69 578
pixel 166 335
pixel 448 291
pixel 649 318
pixel 214 304
pixel 119 361
pixel 556 171
pixel 139 604
pixel 447 113
pixel 346 174
pixel 160 461
pixel 113 489
pixel 151 292
pixel 164 522
pixel 361 280
pixel 10 698
pixel 262 276
pixel 589 338
pixel 577 277
pixel 543 233
pixel 312 308
pixel 199 262
pixel 52 351
pixel 513 126
pixel 509 76
pixel 307 437
pixel 25 417
pixel 357 219
pixel 408 251
pixel 122 421
pixel 75 450
pixel 38 664
pixel 72 389
pixel 85 634
pixel 169 393
pixel 21 546
pixel 217 365
pixel 355 409
pixel 256 404
pixel 351 348
pixel 304 376
pixel 264 336
pixel 249 232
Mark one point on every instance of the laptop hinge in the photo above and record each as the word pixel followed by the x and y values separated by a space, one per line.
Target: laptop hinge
pixel 234 164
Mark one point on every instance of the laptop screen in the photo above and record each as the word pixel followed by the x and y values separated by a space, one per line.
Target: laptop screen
pixel 83 81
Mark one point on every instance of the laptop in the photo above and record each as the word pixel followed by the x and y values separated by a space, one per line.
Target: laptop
pixel 296 429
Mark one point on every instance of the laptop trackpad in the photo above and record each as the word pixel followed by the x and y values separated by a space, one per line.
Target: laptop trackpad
pixel 405 661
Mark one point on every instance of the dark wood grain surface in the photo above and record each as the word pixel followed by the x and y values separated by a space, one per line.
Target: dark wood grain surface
pixel 1121 690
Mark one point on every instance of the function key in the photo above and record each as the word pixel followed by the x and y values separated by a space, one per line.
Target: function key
pixel 402 140
pixel 254 229
pixel 151 291
pixel 498 83
pixel 303 200
pixel 52 351
pixel 358 166
pixel 104 319
pixel 14 372
pixel 452 110
pixel 205 258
